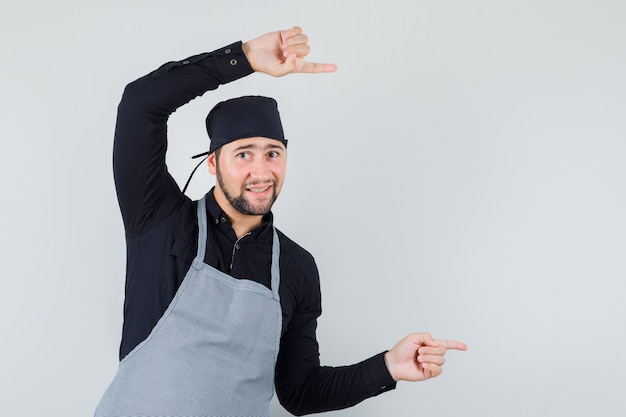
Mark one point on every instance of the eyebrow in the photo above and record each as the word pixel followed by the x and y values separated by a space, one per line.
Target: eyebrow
pixel 258 147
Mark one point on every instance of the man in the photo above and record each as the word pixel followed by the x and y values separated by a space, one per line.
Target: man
pixel 220 305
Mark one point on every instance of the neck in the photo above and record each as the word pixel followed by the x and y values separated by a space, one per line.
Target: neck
pixel 243 226
pixel 242 223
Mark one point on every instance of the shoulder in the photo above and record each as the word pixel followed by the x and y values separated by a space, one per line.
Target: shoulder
pixel 297 257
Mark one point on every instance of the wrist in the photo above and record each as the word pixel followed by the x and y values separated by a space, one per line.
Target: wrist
pixel 249 51
pixel 245 48
pixel 389 364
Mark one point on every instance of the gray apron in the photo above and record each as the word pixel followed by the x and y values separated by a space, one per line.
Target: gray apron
pixel 213 352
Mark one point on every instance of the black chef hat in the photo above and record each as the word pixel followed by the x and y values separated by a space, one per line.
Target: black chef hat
pixel 244 117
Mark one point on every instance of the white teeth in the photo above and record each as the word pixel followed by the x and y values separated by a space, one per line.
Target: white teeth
pixel 258 190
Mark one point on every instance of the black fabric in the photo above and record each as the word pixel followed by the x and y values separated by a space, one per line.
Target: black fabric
pixel 161 236
pixel 244 117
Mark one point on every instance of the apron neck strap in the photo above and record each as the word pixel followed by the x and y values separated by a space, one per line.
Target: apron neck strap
pixel 202 229
pixel 275 263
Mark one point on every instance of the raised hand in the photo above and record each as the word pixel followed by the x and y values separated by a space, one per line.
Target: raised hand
pixel 281 53
pixel 418 357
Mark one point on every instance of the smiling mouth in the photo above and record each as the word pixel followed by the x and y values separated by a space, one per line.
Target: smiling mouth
pixel 259 188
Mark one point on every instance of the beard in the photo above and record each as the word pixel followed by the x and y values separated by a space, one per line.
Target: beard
pixel 241 203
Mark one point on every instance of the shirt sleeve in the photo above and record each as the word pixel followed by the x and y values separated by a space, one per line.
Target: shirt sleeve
pixel 146 191
pixel 303 386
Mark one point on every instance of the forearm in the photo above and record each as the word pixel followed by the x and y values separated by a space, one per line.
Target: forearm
pixel 178 82
pixel 334 388
pixel 142 181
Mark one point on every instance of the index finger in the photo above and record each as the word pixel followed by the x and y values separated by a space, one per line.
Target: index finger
pixel 451 344
pixel 316 68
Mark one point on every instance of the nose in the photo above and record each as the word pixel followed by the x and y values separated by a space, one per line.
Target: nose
pixel 260 169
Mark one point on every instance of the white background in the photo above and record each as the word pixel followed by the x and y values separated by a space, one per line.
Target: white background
pixel 462 173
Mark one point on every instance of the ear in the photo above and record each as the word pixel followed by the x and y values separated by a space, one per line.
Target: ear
pixel 212 163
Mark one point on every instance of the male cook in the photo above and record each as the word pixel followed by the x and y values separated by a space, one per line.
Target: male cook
pixel 221 307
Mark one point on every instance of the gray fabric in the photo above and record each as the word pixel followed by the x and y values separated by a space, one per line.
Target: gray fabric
pixel 213 352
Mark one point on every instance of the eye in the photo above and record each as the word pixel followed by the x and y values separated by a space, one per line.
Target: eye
pixel 243 155
pixel 273 154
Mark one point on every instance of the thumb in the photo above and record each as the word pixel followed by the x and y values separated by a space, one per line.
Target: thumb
pixel 291 62
pixel 429 341
pixel 284 35
pixel 289 65
pixel 423 339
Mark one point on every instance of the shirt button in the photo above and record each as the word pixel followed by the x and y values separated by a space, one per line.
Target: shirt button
pixel 227 51
pixel 185 62
pixel 233 62
pixel 217 221
pixel 223 219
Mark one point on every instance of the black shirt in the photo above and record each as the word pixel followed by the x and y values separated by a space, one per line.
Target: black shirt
pixel 161 235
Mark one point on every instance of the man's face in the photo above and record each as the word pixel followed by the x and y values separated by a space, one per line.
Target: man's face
pixel 250 173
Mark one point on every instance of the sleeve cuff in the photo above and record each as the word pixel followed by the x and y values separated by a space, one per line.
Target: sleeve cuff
pixel 227 64
pixel 376 377
pixel 231 62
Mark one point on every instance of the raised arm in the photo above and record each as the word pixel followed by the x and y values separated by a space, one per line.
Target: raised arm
pixel 146 192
